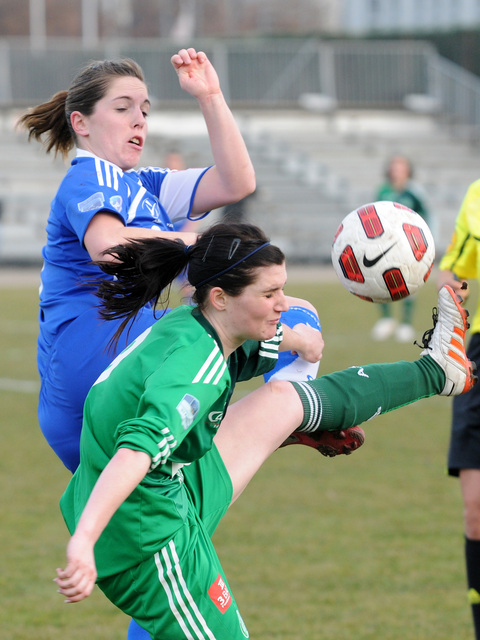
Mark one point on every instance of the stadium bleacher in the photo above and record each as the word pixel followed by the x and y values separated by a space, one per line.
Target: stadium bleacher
pixel 312 169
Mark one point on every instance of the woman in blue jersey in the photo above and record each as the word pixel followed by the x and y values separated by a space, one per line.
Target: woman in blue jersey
pixel 162 463
pixel 103 201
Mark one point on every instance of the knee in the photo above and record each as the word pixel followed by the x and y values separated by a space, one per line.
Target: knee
pixel 470 484
pixel 280 388
pixel 472 518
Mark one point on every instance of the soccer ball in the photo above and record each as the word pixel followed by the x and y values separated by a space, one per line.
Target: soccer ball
pixel 383 252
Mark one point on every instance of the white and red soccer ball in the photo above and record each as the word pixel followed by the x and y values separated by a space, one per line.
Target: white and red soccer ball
pixel 383 251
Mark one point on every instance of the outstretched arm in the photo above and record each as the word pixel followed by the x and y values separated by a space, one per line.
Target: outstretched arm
pixel 117 481
pixel 106 230
pixel 233 176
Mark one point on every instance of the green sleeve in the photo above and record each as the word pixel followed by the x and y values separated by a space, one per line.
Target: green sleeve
pixel 256 358
pixel 176 406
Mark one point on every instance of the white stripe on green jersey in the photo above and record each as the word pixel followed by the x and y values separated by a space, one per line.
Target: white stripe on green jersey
pixel 269 348
pixel 181 602
pixel 166 446
pixel 210 367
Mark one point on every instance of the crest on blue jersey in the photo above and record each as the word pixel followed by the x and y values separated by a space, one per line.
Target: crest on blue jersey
pixel 95 201
pixel 117 203
pixel 152 206
pixel 188 408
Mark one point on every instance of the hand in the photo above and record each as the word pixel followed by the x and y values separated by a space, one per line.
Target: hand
pixel 195 73
pixel 77 580
pixel 310 342
pixel 460 287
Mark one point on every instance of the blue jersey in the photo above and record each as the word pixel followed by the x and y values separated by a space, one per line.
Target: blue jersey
pixel 148 198
pixel 73 341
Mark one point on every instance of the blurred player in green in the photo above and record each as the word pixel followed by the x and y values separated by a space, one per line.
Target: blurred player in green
pixel 399 187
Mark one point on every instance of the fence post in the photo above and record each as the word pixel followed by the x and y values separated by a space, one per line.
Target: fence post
pixel 6 97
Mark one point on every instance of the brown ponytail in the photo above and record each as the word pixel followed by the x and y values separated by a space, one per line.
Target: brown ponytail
pixel 49 118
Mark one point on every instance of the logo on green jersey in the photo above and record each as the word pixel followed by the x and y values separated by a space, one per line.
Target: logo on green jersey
pixel 188 408
pixel 215 418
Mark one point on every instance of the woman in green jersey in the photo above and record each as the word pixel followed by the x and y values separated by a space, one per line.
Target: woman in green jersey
pixel 163 455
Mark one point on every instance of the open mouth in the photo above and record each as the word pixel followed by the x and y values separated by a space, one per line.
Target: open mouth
pixel 136 141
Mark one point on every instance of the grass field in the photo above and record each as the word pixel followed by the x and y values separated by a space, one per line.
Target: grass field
pixel 365 547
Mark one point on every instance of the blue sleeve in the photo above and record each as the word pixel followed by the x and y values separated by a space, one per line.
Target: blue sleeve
pixel 175 189
pixel 83 198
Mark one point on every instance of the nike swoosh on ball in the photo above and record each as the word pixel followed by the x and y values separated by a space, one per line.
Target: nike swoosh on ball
pixel 371 263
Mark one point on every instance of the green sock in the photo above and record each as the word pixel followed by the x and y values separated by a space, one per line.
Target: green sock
pixel 407 310
pixel 347 398
pixel 385 309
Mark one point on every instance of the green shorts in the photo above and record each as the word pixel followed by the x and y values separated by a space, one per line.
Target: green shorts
pixel 181 591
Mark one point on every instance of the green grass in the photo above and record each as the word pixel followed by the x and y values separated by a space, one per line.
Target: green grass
pixel 362 547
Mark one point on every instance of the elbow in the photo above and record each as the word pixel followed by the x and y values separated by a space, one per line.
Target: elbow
pixel 252 185
pixel 217 189
pixel 250 182
pixel 104 232
pixel 98 250
pixel 244 188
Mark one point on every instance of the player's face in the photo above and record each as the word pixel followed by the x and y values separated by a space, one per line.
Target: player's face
pixel 255 313
pixel 117 129
pixel 399 172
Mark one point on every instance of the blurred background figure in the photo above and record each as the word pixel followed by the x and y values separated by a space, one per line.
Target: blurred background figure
pixel 399 187
pixel 174 160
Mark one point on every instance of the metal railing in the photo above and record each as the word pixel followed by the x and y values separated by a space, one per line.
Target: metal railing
pixel 263 73
pixel 271 74
pixel 458 94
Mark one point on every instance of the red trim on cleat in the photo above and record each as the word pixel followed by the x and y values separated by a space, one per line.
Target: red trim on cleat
pixel 330 443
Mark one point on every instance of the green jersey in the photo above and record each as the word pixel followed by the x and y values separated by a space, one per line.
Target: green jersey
pixel 166 395
pixel 410 197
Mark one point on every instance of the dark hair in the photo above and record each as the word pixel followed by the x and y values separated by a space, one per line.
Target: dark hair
pixel 88 87
pixel 225 255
